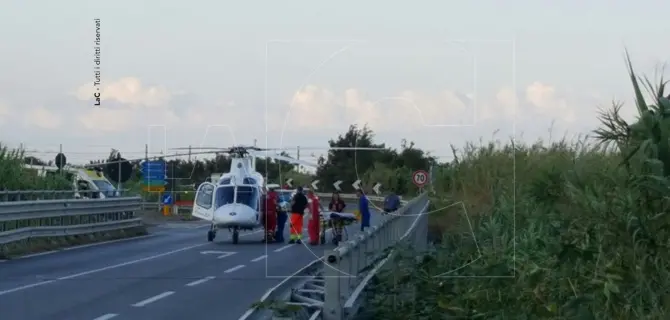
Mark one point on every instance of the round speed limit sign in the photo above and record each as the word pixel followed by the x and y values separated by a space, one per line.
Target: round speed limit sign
pixel 420 178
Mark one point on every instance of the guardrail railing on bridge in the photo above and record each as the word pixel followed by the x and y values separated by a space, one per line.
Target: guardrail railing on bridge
pixel 332 287
pixel 21 220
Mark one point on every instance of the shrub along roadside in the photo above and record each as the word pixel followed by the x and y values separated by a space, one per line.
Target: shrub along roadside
pixel 574 231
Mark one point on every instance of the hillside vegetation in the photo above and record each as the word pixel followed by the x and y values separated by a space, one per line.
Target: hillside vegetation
pixel 578 230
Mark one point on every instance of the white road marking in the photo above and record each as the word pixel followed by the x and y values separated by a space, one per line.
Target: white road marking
pixel 197 282
pixel 32 255
pixel 131 262
pixel 234 268
pixel 284 247
pixel 106 242
pixel 153 299
pixel 259 258
pixel 106 316
pixel 37 284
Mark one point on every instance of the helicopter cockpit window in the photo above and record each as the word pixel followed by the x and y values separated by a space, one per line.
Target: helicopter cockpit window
pixel 225 181
pixel 249 181
pixel 248 195
pixel 204 196
pixel 225 195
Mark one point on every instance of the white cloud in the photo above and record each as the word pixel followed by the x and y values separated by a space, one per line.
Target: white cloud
pixel 107 120
pixel 43 118
pixel 547 102
pixel 316 107
pixel 129 91
pixel 130 104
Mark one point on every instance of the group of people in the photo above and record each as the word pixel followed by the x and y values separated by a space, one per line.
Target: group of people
pixel 275 218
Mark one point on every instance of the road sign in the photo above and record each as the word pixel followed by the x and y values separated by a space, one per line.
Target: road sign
pixel 376 188
pixel 61 160
pixel 356 184
pixel 289 182
pixel 153 188
pixel 154 175
pixel 167 199
pixel 337 185
pixel 420 178
pixel 157 165
pixel 314 185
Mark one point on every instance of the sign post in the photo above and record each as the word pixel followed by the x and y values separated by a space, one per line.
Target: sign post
pixel 167 203
pixel 420 178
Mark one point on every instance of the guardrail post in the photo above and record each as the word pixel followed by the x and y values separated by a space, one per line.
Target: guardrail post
pixel 332 302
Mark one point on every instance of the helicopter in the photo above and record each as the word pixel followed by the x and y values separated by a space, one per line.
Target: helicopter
pixel 234 201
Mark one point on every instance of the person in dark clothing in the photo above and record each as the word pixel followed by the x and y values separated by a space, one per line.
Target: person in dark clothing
pixel 298 206
pixel 391 203
pixel 337 204
pixel 282 217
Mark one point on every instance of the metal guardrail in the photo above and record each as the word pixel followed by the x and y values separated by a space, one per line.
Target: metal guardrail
pixel 21 220
pixel 331 287
pixel 31 195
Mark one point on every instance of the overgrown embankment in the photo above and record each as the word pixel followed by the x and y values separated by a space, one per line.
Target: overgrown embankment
pixel 562 230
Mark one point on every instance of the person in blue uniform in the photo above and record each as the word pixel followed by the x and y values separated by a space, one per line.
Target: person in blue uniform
pixel 364 208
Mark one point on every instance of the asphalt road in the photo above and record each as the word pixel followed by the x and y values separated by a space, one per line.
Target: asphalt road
pixel 172 274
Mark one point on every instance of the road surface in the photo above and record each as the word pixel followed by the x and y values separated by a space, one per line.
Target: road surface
pixel 163 276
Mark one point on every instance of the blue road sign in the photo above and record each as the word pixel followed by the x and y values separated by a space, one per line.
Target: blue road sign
pixel 149 166
pixel 154 173
pixel 167 199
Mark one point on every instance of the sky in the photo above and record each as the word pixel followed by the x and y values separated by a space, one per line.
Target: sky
pixel 297 73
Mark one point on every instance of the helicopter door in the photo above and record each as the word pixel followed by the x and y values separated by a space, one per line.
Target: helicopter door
pixel 203 206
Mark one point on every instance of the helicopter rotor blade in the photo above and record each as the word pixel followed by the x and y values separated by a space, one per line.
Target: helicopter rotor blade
pixel 284 158
pixel 330 148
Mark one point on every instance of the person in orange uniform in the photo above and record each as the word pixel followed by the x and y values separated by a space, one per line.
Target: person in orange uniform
pixel 315 221
pixel 298 205
pixel 270 214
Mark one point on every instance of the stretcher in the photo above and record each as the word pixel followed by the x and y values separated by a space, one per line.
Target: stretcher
pixel 336 222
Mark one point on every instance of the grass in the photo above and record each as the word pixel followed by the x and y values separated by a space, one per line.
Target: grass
pixel 561 230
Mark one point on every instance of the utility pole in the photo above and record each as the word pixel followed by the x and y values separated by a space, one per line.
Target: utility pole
pixel 255 142
pixel 298 156
pixel 146 152
pixel 189 153
pixel 60 150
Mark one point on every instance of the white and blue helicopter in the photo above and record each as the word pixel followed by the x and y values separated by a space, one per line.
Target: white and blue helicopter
pixel 234 201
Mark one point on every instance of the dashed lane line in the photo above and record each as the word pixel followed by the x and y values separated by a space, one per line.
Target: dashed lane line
pixel 106 316
pixel 284 247
pixel 197 282
pixel 235 268
pixel 153 299
pixel 259 258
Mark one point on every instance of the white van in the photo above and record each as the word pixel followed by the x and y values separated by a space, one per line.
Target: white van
pixel 86 183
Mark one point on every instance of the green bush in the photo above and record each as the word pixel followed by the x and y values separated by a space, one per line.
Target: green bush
pixel 13 177
pixel 562 230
